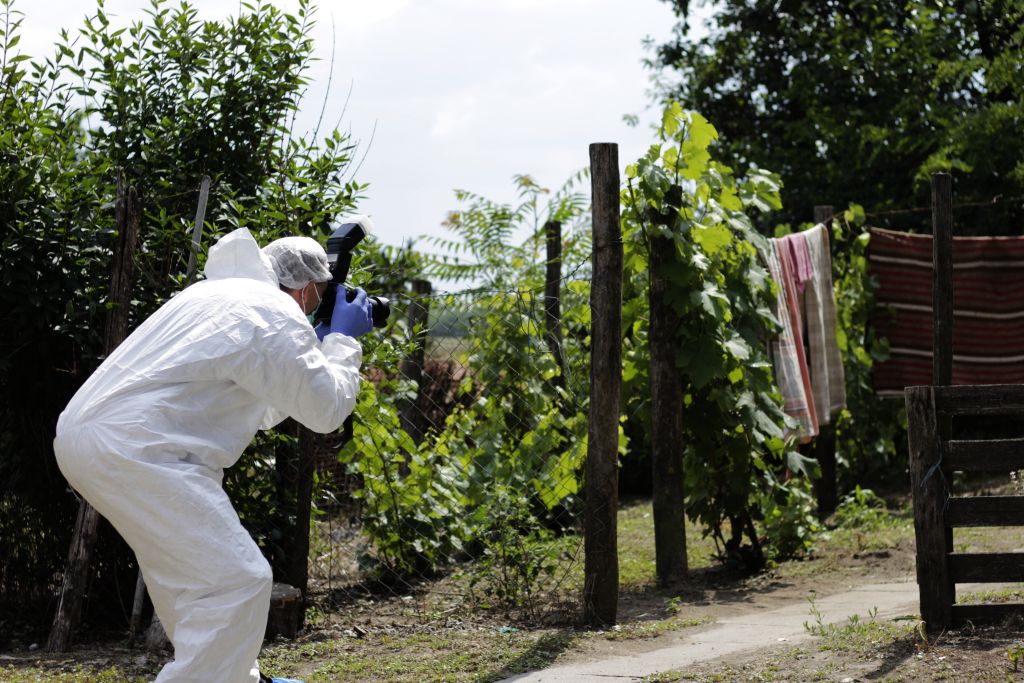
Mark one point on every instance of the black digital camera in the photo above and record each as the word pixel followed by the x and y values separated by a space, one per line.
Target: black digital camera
pixel 340 244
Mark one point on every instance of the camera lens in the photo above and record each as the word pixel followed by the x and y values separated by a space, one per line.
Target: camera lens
pixel 380 309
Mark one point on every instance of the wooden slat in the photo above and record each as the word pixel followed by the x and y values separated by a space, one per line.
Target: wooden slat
pixel 997 455
pixel 929 491
pixel 986 567
pixel 980 399
pixel 977 613
pixel 985 511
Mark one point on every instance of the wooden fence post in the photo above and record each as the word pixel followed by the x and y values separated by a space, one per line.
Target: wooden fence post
pixel 942 375
pixel 666 422
pixel 411 411
pixel 294 465
pixel 197 229
pixel 825 443
pixel 297 550
pixel 942 261
pixel 127 214
pixel 135 622
pixel 929 495
pixel 553 298
pixel 601 565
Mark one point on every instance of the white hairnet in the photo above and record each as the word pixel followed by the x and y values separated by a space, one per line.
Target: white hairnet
pixel 298 261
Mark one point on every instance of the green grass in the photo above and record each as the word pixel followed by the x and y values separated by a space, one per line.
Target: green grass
pixel 1013 593
pixel 420 646
pixel 78 673
pixel 477 656
pixel 645 630
pixel 636 546
pixel 857 634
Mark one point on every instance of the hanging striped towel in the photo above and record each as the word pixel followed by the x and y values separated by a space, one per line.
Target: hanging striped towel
pixel 988 309
pixel 788 359
pixel 826 364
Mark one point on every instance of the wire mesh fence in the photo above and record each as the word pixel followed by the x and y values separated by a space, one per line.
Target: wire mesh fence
pixel 454 489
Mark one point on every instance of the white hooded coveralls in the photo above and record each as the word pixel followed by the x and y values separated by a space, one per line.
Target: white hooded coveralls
pixel 147 437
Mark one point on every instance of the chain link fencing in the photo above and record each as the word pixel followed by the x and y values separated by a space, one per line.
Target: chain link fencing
pixel 453 492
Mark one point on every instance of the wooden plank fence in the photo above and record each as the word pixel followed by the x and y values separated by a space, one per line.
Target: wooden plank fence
pixel 937 512
pixel 937 451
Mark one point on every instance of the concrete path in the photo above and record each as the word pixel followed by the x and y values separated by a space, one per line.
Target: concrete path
pixel 752 631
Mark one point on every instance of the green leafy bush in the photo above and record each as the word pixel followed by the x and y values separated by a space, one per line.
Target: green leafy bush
pixel 520 424
pixel 163 101
pixel 870 432
pixel 862 509
pixel 518 554
pixel 735 457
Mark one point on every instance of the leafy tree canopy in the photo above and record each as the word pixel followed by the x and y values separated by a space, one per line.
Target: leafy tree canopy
pixel 861 101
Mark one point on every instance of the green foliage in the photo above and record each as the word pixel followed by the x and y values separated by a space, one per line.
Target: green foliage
pixel 164 100
pixel 862 101
pixel 790 523
pixel 870 432
pixel 735 452
pixel 862 509
pixel 515 444
pixel 518 554
pixel 413 499
pixel 1015 653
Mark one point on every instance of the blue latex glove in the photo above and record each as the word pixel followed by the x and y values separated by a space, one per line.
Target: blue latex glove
pixel 352 318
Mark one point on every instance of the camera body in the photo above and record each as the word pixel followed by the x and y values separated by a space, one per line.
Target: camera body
pixel 349 232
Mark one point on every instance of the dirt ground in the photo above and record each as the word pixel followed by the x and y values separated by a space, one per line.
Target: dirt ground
pixel 429 633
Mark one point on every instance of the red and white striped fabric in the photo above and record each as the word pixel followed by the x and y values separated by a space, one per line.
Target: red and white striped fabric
pixel 988 309
pixel 788 357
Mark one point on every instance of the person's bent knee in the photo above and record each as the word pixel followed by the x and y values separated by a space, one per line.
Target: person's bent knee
pixel 258 576
pixel 265 578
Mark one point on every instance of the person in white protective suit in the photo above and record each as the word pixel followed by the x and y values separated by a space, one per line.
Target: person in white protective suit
pixel 147 437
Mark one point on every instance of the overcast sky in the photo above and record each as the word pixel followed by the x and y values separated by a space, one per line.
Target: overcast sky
pixel 455 93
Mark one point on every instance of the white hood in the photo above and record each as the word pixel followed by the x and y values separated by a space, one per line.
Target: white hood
pixel 238 255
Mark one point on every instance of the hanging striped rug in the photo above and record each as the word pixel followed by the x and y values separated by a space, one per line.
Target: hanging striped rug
pixel 988 309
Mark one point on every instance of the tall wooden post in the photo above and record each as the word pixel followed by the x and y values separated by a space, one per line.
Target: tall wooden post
pixel 666 422
pixel 553 298
pixel 127 214
pixel 929 495
pixel 940 583
pixel 942 297
pixel 825 443
pixel 601 562
pixel 297 560
pixel 410 412
pixel 294 463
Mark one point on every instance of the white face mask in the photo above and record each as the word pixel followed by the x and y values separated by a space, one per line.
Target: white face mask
pixel 311 316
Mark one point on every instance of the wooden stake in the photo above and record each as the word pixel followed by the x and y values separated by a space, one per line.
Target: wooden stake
pixel 197 229
pixel 83 540
pixel 410 410
pixel 929 496
pixel 942 295
pixel 601 565
pixel 666 423
pixel 553 298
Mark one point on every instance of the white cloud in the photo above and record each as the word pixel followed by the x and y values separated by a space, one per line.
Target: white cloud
pixel 463 93
pixel 454 114
pixel 355 15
